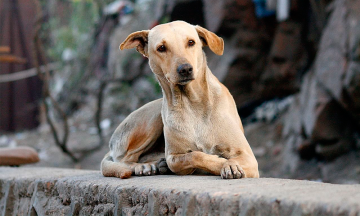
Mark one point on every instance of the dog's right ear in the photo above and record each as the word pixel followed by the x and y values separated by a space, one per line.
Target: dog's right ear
pixel 137 39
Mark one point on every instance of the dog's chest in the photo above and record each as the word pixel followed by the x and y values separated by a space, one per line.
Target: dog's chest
pixel 196 132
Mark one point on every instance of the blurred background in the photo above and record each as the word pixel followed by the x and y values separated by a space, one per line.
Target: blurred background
pixel 293 67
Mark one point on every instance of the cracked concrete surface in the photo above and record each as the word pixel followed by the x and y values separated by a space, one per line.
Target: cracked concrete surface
pixel 52 191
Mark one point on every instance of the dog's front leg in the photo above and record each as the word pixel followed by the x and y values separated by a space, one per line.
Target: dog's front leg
pixel 184 164
pixel 245 163
pixel 242 166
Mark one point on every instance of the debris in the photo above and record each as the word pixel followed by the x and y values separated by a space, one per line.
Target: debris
pixel 93 131
pixel 261 9
pixel 259 151
pixel 271 5
pixel 282 10
pixel 105 124
pixel 4 141
pixel 265 8
pixel 357 169
pixel 270 110
pixel 68 54
pixel 276 150
pixel 125 7
pixel 12 143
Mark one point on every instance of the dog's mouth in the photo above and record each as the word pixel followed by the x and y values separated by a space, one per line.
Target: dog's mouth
pixel 185 81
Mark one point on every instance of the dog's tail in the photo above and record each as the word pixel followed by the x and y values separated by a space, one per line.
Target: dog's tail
pixel 109 168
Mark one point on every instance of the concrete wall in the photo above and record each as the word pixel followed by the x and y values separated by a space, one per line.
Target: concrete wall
pixel 50 191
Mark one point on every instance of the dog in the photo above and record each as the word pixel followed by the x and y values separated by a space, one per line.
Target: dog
pixel 195 126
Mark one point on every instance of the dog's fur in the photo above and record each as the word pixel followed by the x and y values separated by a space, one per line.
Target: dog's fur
pixel 197 115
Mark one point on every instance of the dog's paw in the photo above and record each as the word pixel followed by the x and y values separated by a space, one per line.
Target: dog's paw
pixel 232 170
pixel 163 167
pixel 146 169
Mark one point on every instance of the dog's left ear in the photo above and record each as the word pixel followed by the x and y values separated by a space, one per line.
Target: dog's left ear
pixel 215 43
pixel 137 39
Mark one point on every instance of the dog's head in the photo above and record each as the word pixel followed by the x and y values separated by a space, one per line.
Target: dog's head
pixel 174 49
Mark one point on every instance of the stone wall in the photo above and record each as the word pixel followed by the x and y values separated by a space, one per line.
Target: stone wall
pixel 50 191
pixel 323 121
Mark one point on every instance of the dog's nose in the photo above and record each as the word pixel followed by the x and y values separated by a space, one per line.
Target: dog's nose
pixel 185 69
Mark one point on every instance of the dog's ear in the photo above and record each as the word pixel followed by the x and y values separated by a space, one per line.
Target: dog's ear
pixel 208 38
pixel 137 39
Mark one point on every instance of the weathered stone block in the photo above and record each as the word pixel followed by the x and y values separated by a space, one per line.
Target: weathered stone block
pixel 50 191
pixel 18 156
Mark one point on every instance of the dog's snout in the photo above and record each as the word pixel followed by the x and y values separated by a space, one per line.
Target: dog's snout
pixel 185 69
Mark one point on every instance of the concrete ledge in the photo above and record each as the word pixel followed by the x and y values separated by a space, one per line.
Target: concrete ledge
pixel 50 191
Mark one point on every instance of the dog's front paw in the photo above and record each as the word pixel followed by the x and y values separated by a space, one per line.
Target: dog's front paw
pixel 232 170
pixel 163 167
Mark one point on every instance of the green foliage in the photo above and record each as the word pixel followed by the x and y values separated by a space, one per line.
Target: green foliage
pixel 165 19
pixel 155 83
pixel 73 30
pixel 63 38
pixel 130 56
pixel 122 88
pixel 71 27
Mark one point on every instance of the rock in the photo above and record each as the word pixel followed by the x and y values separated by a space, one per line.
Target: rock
pixel 259 151
pixel 242 76
pixel 351 92
pixel 219 65
pixel 250 39
pixel 44 191
pixel 327 100
pixel 190 11
pixel 343 170
pixel 292 120
pixel 214 14
pixel 306 149
pixel 247 48
pixel 287 58
pixel 312 96
pixel 326 125
pixel 18 156
pixel 270 110
pixel 291 158
pixel 246 45
pixel 333 131
pixel 225 17
pixel 329 66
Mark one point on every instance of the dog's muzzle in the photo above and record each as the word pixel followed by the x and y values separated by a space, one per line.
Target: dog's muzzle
pixel 186 73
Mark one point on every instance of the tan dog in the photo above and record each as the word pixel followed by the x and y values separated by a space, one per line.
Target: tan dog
pixel 197 115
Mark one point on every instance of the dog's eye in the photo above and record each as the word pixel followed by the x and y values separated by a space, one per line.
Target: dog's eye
pixel 191 43
pixel 161 48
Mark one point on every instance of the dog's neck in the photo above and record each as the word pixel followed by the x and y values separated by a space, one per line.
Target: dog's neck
pixel 197 92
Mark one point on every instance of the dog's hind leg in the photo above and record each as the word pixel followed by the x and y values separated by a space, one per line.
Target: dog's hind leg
pixel 133 143
pixel 109 168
